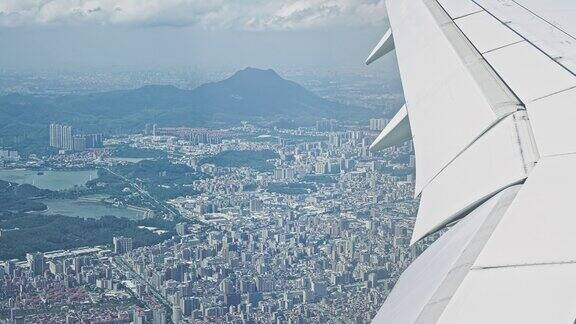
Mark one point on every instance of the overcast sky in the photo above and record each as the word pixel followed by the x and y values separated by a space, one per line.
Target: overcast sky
pixel 202 33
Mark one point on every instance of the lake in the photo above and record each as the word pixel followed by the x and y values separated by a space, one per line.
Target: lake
pixel 52 180
pixel 88 209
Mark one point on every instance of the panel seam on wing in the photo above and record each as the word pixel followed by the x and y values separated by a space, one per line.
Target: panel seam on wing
pixel 468 14
pixel 521 265
pixel 501 47
pixel 496 122
pixel 554 93
pixel 464 211
pixel 525 38
pixel 545 20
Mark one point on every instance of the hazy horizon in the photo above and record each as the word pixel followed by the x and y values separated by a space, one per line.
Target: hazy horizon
pixel 92 35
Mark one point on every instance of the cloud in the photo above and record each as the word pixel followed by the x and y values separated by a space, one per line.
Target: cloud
pixel 205 14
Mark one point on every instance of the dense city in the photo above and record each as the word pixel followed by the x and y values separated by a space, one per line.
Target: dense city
pixel 301 225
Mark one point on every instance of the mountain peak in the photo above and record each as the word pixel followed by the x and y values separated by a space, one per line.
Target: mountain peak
pixel 254 73
pixel 250 94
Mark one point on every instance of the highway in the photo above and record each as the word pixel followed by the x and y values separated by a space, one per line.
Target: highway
pixel 145 193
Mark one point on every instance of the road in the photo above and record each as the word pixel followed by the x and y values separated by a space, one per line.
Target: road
pixel 145 193
pixel 126 269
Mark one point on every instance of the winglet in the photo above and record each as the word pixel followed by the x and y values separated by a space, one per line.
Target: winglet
pixel 396 132
pixel 385 46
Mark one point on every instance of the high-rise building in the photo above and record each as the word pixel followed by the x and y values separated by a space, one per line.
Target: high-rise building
pixel 319 289
pixel 321 167
pixel 159 316
pixel 378 124
pixel 16 316
pixel 77 265
pixel 79 143
pixel 188 305
pixel 9 155
pixel 325 125
pixel 284 174
pixel 55 135
pixel 142 316
pixel 61 136
pixel 56 267
pixel 226 286
pixel 181 229
pixel 10 267
pixel 335 139
pixel 232 299
pixel 94 140
pixel 36 263
pixel 255 205
pixel 122 244
pixel 176 314
pixel 67 137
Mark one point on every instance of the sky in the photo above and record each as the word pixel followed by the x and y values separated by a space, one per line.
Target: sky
pixel 211 34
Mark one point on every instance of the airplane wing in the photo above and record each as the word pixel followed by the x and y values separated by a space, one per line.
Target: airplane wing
pixel 490 88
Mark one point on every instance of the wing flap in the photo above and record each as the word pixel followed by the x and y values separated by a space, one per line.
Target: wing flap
pixel 396 132
pixel 492 163
pixel 385 46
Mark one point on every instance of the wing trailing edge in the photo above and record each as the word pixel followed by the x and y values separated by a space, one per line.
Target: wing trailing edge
pixel 397 131
pixel 385 46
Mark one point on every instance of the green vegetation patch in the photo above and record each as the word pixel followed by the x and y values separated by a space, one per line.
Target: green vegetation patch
pixel 126 151
pixel 257 160
pixel 17 198
pixel 321 178
pixel 161 178
pixel 292 188
pixel 32 232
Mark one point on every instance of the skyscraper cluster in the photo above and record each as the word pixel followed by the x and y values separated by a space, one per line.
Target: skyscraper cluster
pixel 195 135
pixel 9 155
pixel 378 124
pixel 325 125
pixel 61 136
pixel 36 263
pixel 122 244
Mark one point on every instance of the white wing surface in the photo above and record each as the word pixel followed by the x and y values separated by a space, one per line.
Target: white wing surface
pixel 443 266
pixel 490 90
